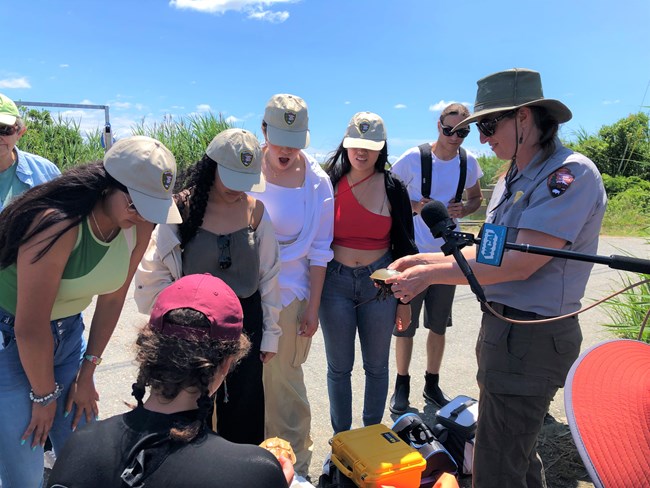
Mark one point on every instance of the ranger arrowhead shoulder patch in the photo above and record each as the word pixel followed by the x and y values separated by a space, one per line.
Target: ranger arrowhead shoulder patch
pixel 559 182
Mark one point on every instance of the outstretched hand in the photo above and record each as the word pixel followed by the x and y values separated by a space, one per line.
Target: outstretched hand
pixel 410 282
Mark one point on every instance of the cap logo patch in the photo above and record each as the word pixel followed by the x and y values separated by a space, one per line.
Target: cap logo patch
pixel 364 126
pixel 559 182
pixel 289 118
pixel 167 178
pixel 246 158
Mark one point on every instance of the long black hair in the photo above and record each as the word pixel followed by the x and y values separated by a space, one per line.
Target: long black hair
pixel 170 364
pixel 339 164
pixel 193 188
pixel 70 196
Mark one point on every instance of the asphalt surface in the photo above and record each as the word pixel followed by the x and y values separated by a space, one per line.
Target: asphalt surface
pixel 117 372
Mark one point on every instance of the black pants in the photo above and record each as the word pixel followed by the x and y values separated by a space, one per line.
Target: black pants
pixel 240 400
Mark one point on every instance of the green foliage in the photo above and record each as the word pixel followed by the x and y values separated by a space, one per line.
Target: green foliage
pixel 628 213
pixel 620 149
pixel 59 140
pixel 492 168
pixel 627 311
pixel 618 184
pixel 187 138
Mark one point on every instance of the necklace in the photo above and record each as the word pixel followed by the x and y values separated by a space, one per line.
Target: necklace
pixel 101 234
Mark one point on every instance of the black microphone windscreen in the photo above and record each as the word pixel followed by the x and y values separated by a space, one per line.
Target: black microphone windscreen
pixel 433 213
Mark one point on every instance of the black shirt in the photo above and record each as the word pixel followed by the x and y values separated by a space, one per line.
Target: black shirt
pixel 97 454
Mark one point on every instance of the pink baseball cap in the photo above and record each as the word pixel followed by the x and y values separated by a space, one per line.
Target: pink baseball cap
pixel 203 293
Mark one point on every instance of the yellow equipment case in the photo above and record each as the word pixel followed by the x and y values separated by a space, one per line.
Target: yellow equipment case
pixel 375 457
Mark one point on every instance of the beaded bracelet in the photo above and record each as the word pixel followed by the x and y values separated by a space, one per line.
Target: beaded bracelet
pixel 46 399
pixel 96 360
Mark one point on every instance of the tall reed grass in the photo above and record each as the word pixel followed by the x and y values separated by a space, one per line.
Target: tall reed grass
pixel 62 141
pixel 187 137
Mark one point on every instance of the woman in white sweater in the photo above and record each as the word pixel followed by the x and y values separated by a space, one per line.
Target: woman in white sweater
pixel 228 234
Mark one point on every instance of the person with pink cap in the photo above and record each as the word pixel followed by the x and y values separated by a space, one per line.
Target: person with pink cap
pixel 229 234
pixel 192 341
pixel 63 243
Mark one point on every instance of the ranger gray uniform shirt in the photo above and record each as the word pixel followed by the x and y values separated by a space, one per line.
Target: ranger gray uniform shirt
pixel 564 197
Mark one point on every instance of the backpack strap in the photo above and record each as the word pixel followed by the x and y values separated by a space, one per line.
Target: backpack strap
pixel 462 154
pixel 426 161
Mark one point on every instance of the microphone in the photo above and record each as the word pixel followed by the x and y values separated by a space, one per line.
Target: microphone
pixel 435 215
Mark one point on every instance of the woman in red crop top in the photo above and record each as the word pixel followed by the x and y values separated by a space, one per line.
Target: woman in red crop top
pixel 372 225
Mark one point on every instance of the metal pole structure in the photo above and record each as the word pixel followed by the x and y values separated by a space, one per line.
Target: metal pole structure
pixel 107 135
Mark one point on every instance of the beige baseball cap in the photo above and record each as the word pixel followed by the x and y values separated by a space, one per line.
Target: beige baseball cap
pixel 365 131
pixel 287 121
pixel 148 169
pixel 239 157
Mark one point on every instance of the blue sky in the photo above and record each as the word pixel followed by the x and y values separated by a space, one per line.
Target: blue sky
pixel 404 60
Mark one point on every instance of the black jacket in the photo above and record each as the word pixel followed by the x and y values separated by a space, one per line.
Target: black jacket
pixel 402 233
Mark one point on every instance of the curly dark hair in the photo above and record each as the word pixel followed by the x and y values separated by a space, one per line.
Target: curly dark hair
pixel 193 189
pixel 70 196
pixel 170 364
pixel 339 164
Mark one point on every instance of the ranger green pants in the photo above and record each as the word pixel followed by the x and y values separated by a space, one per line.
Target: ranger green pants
pixel 520 369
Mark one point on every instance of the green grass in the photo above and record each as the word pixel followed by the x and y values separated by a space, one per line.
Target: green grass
pixel 187 138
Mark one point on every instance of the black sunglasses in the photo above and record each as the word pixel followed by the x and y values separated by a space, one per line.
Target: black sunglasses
pixel 447 131
pixel 8 130
pixel 223 243
pixel 487 127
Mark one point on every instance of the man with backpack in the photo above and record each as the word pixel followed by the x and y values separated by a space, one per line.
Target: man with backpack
pixel 434 171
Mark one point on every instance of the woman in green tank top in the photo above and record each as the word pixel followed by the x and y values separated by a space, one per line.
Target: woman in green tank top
pixel 62 243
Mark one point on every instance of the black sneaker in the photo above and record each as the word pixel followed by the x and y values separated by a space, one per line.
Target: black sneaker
pixel 433 394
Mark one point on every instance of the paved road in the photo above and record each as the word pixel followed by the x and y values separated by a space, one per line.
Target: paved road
pixel 116 374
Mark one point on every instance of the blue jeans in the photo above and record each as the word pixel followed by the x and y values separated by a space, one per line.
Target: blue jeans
pixel 20 466
pixel 340 318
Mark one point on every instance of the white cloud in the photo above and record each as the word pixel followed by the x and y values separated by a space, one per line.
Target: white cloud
pixel 64 66
pixel 255 9
pixel 611 102
pixel 203 107
pixel 399 106
pixel 15 83
pixel 347 102
pixel 440 106
pixel 121 105
pixel 233 120
pixel 267 15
